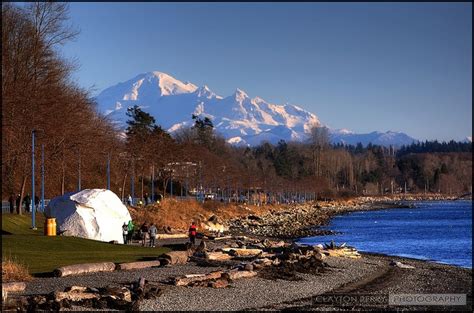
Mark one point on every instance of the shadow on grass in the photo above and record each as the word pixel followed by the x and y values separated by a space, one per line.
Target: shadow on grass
pixel 43 275
pixel 175 246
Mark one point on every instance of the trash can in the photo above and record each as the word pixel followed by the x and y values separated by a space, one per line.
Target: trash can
pixel 50 227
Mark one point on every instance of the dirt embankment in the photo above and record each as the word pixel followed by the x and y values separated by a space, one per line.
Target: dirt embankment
pixel 179 214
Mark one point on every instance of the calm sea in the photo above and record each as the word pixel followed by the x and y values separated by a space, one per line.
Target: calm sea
pixel 439 231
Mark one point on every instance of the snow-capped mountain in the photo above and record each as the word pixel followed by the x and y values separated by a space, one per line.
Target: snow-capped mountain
pixel 239 118
pixel 242 120
pixel 388 138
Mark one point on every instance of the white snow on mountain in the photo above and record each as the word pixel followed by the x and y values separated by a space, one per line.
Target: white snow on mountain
pixel 242 120
pixel 388 138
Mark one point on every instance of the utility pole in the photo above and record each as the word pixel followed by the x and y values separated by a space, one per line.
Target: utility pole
pixel 33 209
pixel 153 183
pixel 171 183
pixel 132 181
pixel 42 178
pixel 79 173
pixel 108 171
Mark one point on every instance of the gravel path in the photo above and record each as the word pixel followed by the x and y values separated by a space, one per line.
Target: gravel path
pixel 259 292
pixel 369 275
pixel 116 278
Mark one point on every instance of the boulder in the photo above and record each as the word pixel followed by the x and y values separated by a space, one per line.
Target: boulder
pixel 91 213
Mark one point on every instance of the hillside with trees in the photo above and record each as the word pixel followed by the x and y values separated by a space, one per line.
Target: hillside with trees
pixel 38 93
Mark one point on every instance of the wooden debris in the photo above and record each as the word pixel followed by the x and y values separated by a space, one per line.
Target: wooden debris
pixel 171 236
pixel 174 257
pixel 213 263
pixel 219 256
pixel 78 269
pixel 13 287
pixel 220 283
pixel 233 275
pixel 242 252
pixel 400 264
pixel 73 296
pixel 222 238
pixel 137 265
pixel 343 252
pixel 189 279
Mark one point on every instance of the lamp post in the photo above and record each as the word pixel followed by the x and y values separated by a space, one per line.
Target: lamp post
pixel 132 181
pixel 108 171
pixel 42 178
pixel 171 184
pixel 153 183
pixel 33 215
pixel 79 174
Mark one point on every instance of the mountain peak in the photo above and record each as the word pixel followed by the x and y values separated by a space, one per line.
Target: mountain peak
pixel 240 95
pixel 204 91
pixel 168 84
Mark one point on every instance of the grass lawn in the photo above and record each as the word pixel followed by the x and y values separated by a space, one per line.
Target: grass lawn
pixel 43 254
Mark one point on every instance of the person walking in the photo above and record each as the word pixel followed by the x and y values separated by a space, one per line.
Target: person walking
pixel 125 233
pixel 11 200
pixel 192 233
pixel 130 231
pixel 152 231
pixel 146 198
pixel 18 203
pixel 27 202
pixel 144 233
pixel 37 201
pixel 129 200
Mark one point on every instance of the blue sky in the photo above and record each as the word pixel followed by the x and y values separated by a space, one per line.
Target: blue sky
pixel 362 66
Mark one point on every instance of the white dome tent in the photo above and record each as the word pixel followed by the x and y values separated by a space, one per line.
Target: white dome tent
pixel 91 213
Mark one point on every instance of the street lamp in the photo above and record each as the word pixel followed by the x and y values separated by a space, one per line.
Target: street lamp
pixel 108 171
pixel 42 177
pixel 153 183
pixel 33 215
pixel 33 209
pixel 79 173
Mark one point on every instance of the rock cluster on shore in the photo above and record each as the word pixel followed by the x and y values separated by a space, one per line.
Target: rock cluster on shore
pixel 299 220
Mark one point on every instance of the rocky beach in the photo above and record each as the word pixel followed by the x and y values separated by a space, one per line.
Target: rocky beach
pixel 256 266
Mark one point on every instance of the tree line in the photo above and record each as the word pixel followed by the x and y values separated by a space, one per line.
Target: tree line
pixel 39 93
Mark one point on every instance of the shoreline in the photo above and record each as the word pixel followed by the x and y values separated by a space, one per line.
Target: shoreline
pixel 296 221
pixel 372 274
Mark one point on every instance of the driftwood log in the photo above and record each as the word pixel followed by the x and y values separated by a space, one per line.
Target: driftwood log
pixel 74 296
pixel 213 263
pixel 174 257
pixel 233 275
pixel 13 287
pixel 239 252
pixel 223 238
pixel 171 236
pixel 343 252
pixel 195 278
pixel 137 265
pixel 218 256
pixel 85 268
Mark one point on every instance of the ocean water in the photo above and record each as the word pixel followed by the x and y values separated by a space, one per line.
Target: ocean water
pixel 439 231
